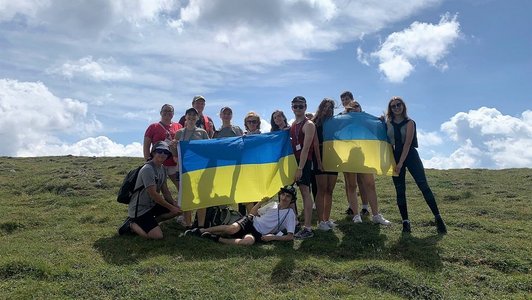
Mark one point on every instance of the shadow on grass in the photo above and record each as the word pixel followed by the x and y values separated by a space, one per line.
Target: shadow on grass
pixel 359 241
pixel 421 252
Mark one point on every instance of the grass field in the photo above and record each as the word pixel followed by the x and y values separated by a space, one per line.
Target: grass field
pixel 58 221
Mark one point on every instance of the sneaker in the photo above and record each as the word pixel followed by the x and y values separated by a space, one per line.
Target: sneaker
pixel 364 212
pixel 210 236
pixel 304 234
pixel 349 211
pixel 357 219
pixel 331 223
pixel 379 219
pixel 125 228
pixel 193 232
pixel 406 227
pixel 323 226
pixel 440 225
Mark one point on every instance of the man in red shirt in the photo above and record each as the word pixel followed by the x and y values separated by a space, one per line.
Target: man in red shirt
pixel 302 135
pixel 164 130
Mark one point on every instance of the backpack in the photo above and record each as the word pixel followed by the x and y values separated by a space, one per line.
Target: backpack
pixel 127 189
pixel 220 215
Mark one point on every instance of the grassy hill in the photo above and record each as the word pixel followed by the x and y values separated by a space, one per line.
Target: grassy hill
pixel 58 221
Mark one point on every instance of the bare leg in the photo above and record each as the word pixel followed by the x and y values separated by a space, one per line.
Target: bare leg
pixel 222 229
pixel 187 215
pixel 247 240
pixel 351 190
pixel 307 204
pixel 368 181
pixel 363 192
pixel 321 182
pixel 249 206
pixel 201 216
pixel 327 200
pixel 155 234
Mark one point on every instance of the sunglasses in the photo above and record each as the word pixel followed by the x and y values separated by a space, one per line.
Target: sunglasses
pixel 252 121
pixel 396 106
pixel 301 106
pixel 161 151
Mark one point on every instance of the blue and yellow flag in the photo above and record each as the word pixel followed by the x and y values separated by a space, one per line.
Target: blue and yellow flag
pixel 234 170
pixel 357 142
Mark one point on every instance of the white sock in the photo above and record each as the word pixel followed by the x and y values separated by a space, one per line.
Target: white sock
pixel 365 206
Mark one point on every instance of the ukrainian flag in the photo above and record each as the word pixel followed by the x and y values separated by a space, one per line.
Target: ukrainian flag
pixel 357 142
pixel 234 170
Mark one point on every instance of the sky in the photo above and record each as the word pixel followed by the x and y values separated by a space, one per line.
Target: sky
pixel 86 77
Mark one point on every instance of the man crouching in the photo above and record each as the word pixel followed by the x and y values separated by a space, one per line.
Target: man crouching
pixel 148 207
pixel 266 224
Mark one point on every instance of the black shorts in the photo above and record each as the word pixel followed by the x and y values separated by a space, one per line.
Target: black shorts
pixel 147 221
pixel 305 174
pixel 246 227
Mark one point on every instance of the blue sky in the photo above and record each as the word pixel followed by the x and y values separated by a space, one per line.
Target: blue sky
pixel 88 77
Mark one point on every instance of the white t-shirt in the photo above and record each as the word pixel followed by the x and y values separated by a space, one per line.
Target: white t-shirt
pixel 269 219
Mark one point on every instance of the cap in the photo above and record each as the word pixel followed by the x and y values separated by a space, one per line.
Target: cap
pixel 226 108
pixel 198 97
pixel 299 99
pixel 191 110
pixel 162 145
pixel 290 190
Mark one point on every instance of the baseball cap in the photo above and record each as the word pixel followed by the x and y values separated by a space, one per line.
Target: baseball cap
pixel 299 99
pixel 191 110
pixel 162 145
pixel 198 97
pixel 226 108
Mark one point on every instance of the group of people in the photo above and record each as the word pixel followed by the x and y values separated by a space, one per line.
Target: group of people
pixel 153 202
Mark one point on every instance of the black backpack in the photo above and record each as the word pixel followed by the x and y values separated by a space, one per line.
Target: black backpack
pixel 127 189
pixel 219 215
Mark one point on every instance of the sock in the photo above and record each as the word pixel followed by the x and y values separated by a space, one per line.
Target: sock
pixel 365 206
pixel 406 221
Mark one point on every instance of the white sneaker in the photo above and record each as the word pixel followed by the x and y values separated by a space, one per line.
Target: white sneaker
pixel 180 220
pixel 357 219
pixel 379 219
pixel 323 226
pixel 331 223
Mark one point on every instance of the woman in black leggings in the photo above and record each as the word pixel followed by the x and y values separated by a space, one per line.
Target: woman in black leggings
pixel 402 135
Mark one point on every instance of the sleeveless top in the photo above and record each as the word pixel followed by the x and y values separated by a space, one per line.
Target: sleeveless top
pixel 397 133
pixel 297 136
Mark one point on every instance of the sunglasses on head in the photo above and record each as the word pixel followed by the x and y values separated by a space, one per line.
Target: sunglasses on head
pixel 298 106
pixel 396 105
pixel 252 121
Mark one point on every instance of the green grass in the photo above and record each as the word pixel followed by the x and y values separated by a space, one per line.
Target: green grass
pixel 58 220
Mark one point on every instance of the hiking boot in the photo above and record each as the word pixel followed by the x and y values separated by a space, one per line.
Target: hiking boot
pixel 125 228
pixel 349 211
pixel 193 232
pixel 304 234
pixel 379 219
pixel 364 212
pixel 406 227
pixel 323 226
pixel 440 225
pixel 331 223
pixel 357 219
pixel 210 236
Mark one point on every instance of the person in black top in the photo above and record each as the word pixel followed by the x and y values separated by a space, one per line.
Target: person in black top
pixel 402 134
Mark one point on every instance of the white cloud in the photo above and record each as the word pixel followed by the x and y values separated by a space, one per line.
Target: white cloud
pixel 99 70
pixel 94 146
pixel 429 138
pixel 421 41
pixel 31 114
pixel 487 139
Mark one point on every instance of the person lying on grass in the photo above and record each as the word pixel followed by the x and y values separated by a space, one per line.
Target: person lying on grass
pixel 266 224
pixel 148 207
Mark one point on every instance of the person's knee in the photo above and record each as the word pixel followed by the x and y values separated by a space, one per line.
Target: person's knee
pixel 156 233
pixel 247 241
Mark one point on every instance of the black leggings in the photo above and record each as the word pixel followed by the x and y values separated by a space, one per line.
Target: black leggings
pixel 416 169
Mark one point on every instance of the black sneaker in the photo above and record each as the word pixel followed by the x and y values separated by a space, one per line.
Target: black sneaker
pixel 440 225
pixel 406 227
pixel 125 228
pixel 364 212
pixel 193 232
pixel 210 236
pixel 349 211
